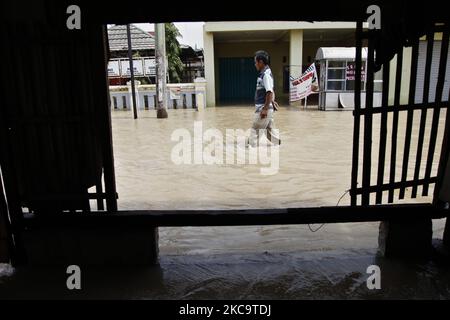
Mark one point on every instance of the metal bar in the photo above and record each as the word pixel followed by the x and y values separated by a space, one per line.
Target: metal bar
pixel 443 160
pixel 357 118
pixel 396 185
pixel 130 59
pixel 99 191
pixel 383 131
pixel 405 107
pixel 436 111
pixel 367 153
pixel 410 116
pixel 398 80
pixel 197 218
pixel 423 115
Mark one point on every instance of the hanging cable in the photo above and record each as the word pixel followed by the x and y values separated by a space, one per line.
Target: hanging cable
pixel 337 204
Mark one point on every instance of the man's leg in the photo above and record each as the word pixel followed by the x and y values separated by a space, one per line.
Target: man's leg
pixel 270 134
pixel 258 124
pixel 272 137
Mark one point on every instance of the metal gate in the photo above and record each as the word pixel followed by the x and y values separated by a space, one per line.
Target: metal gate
pixel 384 175
pixel 237 78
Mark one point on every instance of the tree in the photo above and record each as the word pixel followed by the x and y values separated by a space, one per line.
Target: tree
pixel 173 50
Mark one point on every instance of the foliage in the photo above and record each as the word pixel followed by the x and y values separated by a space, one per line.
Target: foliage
pixel 173 51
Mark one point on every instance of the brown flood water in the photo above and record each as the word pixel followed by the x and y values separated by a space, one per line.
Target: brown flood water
pixel 245 262
pixel 314 170
pixel 314 161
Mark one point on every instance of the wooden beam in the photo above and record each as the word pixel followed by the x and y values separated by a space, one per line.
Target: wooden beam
pixel 180 218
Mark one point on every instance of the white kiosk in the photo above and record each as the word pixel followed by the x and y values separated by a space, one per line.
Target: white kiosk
pixel 337 78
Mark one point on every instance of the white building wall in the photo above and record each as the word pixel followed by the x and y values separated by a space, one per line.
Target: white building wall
pixel 296 53
pixel 208 44
pixel 296 45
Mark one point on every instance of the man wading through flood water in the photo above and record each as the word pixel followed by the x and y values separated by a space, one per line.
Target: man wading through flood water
pixel 264 101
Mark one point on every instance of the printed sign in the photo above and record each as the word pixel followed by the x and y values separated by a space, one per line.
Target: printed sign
pixel 175 93
pixel 150 67
pixel 351 69
pixel 113 69
pixel 302 87
pixel 137 66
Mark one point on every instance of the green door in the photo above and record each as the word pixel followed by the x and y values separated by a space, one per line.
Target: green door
pixel 237 80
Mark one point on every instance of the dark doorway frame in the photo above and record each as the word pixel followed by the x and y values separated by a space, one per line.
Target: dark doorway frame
pixel 91 42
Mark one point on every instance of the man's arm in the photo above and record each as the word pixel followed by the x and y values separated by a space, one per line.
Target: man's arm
pixel 269 98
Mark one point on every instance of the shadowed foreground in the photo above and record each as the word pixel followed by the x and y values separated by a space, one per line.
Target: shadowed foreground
pixel 293 275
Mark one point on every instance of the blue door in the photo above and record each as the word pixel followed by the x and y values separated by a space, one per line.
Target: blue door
pixel 237 80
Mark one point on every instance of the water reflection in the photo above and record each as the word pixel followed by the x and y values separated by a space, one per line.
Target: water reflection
pixel 282 275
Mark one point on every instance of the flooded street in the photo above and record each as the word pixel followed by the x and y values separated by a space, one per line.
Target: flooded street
pixel 314 170
pixel 244 262
pixel 314 162
pixel 285 262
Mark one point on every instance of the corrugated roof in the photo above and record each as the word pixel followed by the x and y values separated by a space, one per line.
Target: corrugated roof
pixel 140 40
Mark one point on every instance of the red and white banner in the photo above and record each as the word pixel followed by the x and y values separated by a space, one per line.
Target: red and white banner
pixel 301 87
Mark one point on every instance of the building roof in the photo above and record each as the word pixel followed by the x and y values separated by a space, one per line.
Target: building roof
pixel 140 39
pixel 339 53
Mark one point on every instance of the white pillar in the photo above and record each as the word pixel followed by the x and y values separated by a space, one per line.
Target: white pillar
pixel 208 44
pixel 160 54
pixel 200 91
pixel 296 53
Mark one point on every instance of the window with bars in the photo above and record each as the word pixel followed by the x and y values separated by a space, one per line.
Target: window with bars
pixel 339 79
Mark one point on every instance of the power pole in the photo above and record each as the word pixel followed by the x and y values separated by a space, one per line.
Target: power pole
pixel 160 53
pixel 130 59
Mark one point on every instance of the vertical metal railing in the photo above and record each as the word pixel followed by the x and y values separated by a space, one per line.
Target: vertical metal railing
pixel 357 118
pixel 414 135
